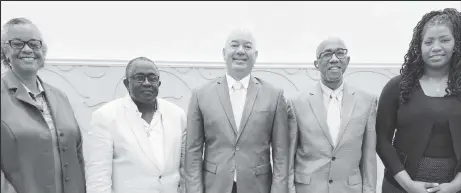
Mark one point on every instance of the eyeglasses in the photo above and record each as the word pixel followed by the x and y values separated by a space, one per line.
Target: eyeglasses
pixel 19 44
pixel 340 53
pixel 140 78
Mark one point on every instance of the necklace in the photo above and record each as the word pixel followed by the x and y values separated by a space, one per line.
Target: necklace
pixel 148 131
pixel 149 128
pixel 441 83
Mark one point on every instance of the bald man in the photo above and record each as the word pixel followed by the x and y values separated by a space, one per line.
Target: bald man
pixel 235 120
pixel 332 127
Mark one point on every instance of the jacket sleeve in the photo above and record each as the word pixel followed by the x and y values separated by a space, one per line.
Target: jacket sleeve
pixel 386 121
pixel 280 147
pixel 293 128
pixel 98 149
pixel 368 160
pixel 194 147
pixel 183 151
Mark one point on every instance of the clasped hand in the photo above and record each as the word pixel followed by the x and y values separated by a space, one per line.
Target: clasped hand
pixel 424 187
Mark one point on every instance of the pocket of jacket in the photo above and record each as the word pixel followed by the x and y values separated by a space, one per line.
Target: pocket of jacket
pixel 302 178
pixel 210 167
pixel 263 169
pixel 355 179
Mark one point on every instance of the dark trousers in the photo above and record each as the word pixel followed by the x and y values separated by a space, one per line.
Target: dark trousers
pixel 234 187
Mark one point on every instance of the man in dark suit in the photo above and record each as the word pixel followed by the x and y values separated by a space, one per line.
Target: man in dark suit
pixel 235 120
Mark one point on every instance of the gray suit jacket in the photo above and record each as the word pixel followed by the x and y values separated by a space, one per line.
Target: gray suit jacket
pixel 316 165
pixel 211 128
pixel 26 145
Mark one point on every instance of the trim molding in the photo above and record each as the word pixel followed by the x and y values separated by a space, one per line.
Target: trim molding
pixel 204 64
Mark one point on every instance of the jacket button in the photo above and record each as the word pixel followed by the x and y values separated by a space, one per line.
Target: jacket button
pixel 330 181
pixel 333 158
pixel 61 134
pixel 232 169
pixel 67 179
pixel 159 177
pixel 237 148
pixel 65 165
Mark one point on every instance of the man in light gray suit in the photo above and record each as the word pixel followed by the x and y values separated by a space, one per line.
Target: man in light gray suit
pixel 332 128
pixel 235 120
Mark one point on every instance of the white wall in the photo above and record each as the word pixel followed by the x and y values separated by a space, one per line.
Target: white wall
pixel 376 32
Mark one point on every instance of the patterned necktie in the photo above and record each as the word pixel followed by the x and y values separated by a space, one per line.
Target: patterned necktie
pixel 237 100
pixel 334 117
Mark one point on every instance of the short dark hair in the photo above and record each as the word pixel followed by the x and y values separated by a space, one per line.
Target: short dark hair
pixel 11 23
pixel 131 62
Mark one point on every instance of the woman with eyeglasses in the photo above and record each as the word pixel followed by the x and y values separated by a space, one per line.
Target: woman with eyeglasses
pixel 418 121
pixel 41 143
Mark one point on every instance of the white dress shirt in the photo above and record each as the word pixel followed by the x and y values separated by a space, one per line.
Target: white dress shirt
pixel 237 98
pixel 333 118
pixel 241 97
pixel 155 134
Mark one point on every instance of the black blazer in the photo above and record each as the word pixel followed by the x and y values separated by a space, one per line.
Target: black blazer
pixel 409 142
pixel 26 143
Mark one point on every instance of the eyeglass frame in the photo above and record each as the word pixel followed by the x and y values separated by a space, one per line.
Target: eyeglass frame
pixel 333 53
pixel 24 44
pixel 146 77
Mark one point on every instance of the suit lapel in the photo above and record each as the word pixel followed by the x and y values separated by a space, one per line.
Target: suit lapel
pixel 348 105
pixel 137 127
pixel 253 90
pixel 52 101
pixel 223 92
pixel 21 94
pixel 318 107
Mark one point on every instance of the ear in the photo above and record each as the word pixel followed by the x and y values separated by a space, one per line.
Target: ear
pixel 316 64
pixel 159 83
pixel 4 52
pixel 125 82
pixel 256 54
pixel 224 53
pixel 347 62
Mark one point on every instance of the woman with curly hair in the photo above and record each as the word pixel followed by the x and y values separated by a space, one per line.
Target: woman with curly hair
pixel 418 122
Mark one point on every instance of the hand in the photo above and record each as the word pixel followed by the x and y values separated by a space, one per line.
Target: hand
pixel 421 187
pixel 446 188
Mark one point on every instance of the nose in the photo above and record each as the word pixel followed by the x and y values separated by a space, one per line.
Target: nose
pixel 27 49
pixel 334 59
pixel 436 48
pixel 146 83
pixel 240 50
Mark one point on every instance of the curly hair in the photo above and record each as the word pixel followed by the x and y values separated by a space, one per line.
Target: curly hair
pixel 413 67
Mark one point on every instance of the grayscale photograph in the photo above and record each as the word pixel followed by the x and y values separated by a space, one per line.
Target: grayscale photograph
pixel 230 97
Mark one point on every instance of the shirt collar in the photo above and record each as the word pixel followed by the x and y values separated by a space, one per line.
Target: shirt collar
pixel 40 88
pixel 133 106
pixel 231 81
pixel 327 91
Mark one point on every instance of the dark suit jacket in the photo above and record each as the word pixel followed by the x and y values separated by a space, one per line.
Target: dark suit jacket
pixel 403 151
pixel 26 145
pixel 211 128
